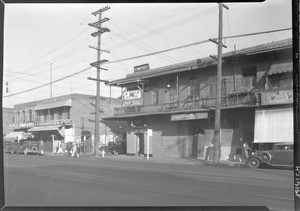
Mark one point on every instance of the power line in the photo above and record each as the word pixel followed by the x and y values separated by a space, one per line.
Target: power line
pixel 196 43
pixel 28 90
pixel 61 44
pixel 154 53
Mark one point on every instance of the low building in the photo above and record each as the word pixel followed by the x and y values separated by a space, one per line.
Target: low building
pixel 7 119
pixel 175 104
pixel 66 119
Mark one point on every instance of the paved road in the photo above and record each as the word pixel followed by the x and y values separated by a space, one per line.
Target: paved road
pixel 64 181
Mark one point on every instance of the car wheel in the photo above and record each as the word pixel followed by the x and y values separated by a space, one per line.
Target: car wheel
pixel 34 149
pixel 265 156
pixel 253 162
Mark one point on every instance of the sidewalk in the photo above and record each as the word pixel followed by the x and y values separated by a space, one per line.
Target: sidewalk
pixel 136 158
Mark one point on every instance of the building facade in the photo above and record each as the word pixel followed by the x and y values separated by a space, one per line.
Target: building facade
pixel 176 103
pixel 7 119
pixel 66 119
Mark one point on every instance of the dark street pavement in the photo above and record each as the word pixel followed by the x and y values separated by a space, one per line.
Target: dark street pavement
pixel 134 181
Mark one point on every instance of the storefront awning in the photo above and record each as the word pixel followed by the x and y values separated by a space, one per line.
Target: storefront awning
pixel 47 128
pixel 53 104
pixel 17 135
pixel 13 135
pixel 281 67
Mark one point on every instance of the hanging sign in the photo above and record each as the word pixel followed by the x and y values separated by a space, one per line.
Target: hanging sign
pixel 191 116
pixel 141 67
pixel 278 97
pixel 131 95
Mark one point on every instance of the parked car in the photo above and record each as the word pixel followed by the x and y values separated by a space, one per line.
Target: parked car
pixel 281 154
pixel 117 148
pixel 23 147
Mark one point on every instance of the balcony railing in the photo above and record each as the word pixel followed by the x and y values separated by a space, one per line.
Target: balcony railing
pixel 53 122
pixel 233 100
pixel 41 123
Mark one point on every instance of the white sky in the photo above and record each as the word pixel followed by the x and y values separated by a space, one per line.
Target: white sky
pixel 36 35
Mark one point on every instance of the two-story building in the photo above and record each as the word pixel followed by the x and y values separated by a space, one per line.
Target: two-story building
pixel 177 102
pixel 66 119
pixel 7 119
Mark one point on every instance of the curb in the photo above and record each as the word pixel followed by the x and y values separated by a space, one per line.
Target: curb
pixel 155 160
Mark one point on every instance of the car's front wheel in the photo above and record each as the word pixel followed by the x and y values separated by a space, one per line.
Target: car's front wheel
pixel 265 156
pixel 253 162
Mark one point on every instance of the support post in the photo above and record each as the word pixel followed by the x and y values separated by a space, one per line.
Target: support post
pixel 217 126
pixel 98 26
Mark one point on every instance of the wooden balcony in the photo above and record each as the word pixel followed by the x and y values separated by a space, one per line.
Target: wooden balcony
pixel 53 122
pixel 230 101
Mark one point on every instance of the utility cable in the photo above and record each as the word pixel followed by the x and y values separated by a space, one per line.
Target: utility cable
pixel 196 43
pixel 81 71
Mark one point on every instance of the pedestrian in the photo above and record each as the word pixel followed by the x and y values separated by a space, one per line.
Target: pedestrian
pixel 238 154
pixel 208 151
pixel 69 147
pixel 246 149
pixel 75 151
pixel 63 147
pixel 59 151
pixel 102 150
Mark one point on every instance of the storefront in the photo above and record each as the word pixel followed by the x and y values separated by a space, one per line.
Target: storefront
pixel 274 121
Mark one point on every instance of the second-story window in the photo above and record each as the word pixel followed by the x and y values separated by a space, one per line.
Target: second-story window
pixel 155 97
pixel 18 117
pixel 51 114
pixel 66 112
pixel 249 78
pixel 193 89
pixel 30 116
pixel 23 116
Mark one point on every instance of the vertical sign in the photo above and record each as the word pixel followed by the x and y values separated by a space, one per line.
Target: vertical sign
pixel 149 134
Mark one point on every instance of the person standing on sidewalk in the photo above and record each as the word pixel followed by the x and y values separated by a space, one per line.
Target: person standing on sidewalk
pixel 208 151
pixel 246 149
pixel 75 151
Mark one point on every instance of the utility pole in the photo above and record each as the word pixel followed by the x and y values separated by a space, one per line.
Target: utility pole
pixel 217 130
pixel 97 64
pixel 50 80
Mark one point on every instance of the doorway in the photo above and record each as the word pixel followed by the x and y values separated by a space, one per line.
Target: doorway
pixel 140 143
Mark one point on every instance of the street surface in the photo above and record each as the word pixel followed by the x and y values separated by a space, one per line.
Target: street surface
pixel 86 181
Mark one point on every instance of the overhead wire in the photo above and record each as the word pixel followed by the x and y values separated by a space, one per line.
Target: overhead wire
pixel 42 65
pixel 61 44
pixel 76 73
pixel 148 46
pixel 201 42
pixel 58 58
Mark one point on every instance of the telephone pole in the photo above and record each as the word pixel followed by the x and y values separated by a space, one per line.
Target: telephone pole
pixel 97 64
pixel 217 130
pixel 50 80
